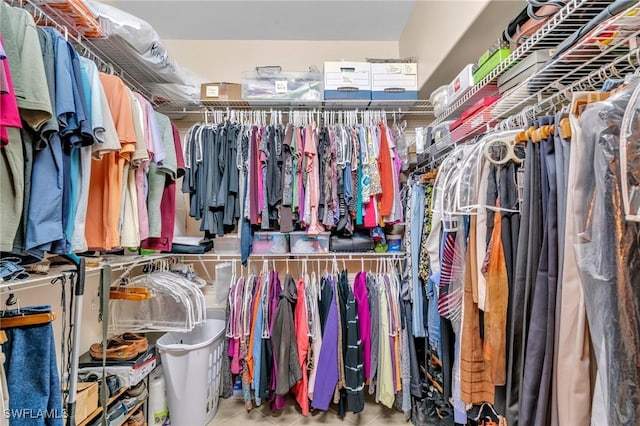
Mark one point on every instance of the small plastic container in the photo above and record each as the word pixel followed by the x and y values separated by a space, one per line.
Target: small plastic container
pixel 302 243
pixel 439 100
pixel 395 243
pixel 226 245
pixel 270 243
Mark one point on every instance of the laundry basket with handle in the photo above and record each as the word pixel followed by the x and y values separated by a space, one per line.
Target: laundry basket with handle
pixel 192 365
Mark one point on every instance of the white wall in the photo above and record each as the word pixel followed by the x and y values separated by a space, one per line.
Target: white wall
pixel 225 60
pixel 433 30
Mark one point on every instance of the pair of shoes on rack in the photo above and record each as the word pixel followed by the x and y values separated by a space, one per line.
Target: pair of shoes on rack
pixel 137 419
pixel 116 414
pixel 134 396
pixel 112 381
pixel 124 347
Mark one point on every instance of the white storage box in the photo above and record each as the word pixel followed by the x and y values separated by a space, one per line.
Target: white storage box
pixel 192 366
pixel 347 80
pixel 393 81
pixel 461 84
pixel 271 83
pixel 270 243
pixel 301 242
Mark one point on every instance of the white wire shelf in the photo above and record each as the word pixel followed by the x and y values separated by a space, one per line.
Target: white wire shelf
pixel 117 263
pixel 411 107
pixel 121 263
pixel 607 42
pixel 572 17
pixel 292 257
pixel 105 62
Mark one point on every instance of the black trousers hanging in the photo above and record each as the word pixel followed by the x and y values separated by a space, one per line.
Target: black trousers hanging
pixel 526 264
pixel 536 387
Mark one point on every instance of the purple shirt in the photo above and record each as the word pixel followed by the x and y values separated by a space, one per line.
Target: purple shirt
pixel 364 318
pixel 328 361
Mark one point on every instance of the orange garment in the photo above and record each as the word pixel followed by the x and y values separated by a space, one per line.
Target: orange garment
pixel 495 344
pixel 105 191
pixel 254 315
pixel 386 173
pixel 476 386
pixel 301 389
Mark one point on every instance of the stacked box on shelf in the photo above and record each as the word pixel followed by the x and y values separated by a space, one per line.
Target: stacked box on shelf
pixel 461 84
pixel 490 64
pixel 394 81
pixel 474 120
pixel 220 91
pixel 524 69
pixel 439 100
pixel 347 80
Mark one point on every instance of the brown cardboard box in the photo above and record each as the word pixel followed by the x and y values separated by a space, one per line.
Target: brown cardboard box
pixel 221 92
pixel 86 400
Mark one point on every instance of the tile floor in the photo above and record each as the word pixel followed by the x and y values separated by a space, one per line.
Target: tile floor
pixel 231 412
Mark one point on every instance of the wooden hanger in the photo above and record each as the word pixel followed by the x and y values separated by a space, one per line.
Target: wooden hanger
pixel 129 293
pixel 429 175
pixel 24 320
pixel 565 128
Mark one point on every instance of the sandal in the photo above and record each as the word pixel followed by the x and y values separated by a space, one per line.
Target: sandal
pixel 116 351
pixel 137 340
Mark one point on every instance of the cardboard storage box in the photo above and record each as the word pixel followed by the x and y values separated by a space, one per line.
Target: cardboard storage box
pixel 394 81
pixel 347 80
pixel 221 92
pixel 86 400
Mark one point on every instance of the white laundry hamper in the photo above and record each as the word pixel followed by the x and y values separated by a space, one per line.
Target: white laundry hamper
pixel 192 365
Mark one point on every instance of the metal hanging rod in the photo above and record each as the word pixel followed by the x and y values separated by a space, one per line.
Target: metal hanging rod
pixel 213 257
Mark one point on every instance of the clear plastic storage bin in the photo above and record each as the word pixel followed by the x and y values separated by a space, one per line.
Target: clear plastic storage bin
pixel 271 83
pixel 439 100
pixel 301 242
pixel 270 243
pixel 226 245
pixel 192 365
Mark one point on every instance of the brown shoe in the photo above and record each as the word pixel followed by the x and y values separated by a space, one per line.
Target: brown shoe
pixel 116 350
pixel 137 340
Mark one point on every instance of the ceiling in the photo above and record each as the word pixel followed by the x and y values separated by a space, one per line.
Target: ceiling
pixel 382 20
